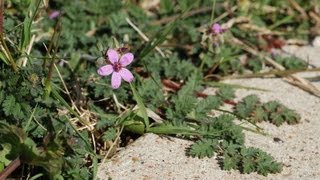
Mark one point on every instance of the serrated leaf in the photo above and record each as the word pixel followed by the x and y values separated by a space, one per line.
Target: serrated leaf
pixel 226 93
pixel 247 106
pixel 203 148
pixel 205 106
pixel 110 134
pixel 5 150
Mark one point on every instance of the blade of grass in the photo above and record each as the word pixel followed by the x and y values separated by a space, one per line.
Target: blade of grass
pixel 3 57
pixel 5 54
pixel 26 33
pixel 285 20
pixel 173 130
pixel 220 84
pixel 142 107
pixel 212 11
pixel 26 127
pixel 58 97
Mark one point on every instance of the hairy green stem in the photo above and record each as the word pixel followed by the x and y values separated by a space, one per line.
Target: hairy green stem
pixel 47 87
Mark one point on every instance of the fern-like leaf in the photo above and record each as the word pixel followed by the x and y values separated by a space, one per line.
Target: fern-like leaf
pixel 203 148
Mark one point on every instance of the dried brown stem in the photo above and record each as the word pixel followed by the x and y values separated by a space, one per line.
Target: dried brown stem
pixel 297 7
pixel 191 13
pixel 10 168
pixel 293 79
pixel 276 73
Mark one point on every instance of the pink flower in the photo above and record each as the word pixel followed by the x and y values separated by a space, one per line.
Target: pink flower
pixel 217 29
pixel 117 68
pixel 54 14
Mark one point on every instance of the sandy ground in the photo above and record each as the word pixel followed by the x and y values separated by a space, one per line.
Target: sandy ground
pixel 161 157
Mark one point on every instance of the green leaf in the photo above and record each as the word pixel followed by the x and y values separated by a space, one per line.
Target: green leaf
pixel 4 58
pixel 26 33
pixel 166 6
pixel 226 93
pixel 11 107
pixel 203 148
pixel 142 109
pixel 4 151
pixel 205 106
pixel 110 134
pixel 247 106
pixel 25 148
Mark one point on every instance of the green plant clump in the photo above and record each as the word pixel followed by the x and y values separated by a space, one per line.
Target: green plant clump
pixel 79 78
pixel 272 111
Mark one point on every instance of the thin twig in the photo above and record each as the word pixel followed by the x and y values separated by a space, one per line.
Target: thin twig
pixel 191 13
pixel 66 89
pixel 277 73
pixel 10 168
pixel 292 79
pixel 25 59
pixel 297 7
pixel 144 37
pixel 113 144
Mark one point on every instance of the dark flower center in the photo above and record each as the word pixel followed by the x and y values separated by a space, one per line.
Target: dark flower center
pixel 117 67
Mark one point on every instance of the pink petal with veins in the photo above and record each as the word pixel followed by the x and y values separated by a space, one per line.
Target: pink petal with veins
pixel 105 70
pixel 126 75
pixel 126 59
pixel 115 80
pixel 113 56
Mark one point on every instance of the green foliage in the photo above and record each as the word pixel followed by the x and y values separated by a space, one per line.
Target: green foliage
pixel 25 148
pixel 272 111
pixel 226 93
pixel 233 154
pixel 4 151
pixel 10 107
pixel 185 100
pixel 224 128
pixel 291 63
pixel 247 106
pixel 150 93
pixel 110 134
pixel 203 148
pixel 206 105
pixel 255 64
pixel 39 130
pixel 166 6
pixel 177 68
pixel 19 93
pixel 248 160
pixel 279 114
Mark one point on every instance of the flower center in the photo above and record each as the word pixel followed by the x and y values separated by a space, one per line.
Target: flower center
pixel 117 67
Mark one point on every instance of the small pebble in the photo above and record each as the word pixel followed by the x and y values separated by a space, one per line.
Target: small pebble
pixel 316 42
pixel 276 139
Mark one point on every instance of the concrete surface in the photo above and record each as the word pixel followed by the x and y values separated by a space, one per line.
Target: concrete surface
pixel 308 53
